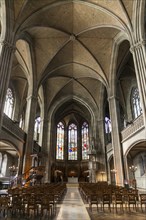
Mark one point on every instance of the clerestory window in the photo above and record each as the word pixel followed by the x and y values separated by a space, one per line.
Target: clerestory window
pixel 9 103
pixel 135 103
pixel 37 128
pixel 108 127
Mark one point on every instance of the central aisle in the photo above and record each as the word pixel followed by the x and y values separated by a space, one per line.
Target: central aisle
pixel 72 207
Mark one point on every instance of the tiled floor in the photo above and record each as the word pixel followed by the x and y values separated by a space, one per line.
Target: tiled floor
pixel 73 208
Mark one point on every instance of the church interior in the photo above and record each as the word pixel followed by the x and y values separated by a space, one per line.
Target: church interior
pixel 73 107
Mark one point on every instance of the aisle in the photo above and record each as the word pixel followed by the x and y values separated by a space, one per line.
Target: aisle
pixel 72 207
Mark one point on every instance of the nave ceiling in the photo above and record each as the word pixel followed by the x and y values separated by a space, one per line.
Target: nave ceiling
pixel 67 46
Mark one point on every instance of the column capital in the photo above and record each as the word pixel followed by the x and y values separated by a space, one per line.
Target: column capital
pixel 113 97
pixel 32 97
pixel 8 45
pixel 137 45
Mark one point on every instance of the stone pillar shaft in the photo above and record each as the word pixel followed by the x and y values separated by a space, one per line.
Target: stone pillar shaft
pixel 29 128
pixel 45 151
pixel 118 164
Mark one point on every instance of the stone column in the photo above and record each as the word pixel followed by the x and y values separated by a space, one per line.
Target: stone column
pixel 139 56
pixel 66 152
pixel 6 55
pixel 126 182
pixel 118 163
pixel 101 144
pixel 45 152
pixel 92 166
pixel 29 128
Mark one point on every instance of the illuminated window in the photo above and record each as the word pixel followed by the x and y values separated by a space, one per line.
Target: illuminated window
pixel 72 142
pixel 135 102
pixel 37 128
pixel 85 141
pixel 4 165
pixel 9 103
pixel 60 141
pixel 108 127
pixel 21 123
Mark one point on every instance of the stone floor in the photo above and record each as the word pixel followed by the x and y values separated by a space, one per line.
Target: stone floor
pixel 73 208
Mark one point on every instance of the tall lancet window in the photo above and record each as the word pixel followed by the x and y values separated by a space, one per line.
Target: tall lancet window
pixel 4 165
pixel 85 141
pixel 72 142
pixel 60 141
pixel 135 102
pixel 37 127
pixel 9 103
pixel 108 126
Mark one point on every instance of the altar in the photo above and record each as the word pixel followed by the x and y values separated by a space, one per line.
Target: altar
pixel 72 179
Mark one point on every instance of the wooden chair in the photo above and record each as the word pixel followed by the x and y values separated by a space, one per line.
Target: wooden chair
pixel 46 205
pixel 16 204
pixel 25 200
pixel 32 205
pixel 99 199
pixel 106 200
pixel 93 201
pixel 132 201
pixel 4 205
pixel 142 201
pixel 53 201
pixel 38 200
pixel 118 200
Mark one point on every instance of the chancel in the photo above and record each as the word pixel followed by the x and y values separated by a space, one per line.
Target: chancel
pixel 73 109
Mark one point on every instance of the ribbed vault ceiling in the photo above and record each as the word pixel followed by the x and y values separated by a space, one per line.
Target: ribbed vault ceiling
pixel 67 46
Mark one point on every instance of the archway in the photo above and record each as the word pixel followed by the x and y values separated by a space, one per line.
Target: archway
pixel 9 163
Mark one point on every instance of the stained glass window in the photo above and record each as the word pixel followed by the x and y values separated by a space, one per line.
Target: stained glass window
pixel 9 103
pixel 4 165
pixel 108 127
pixel 85 141
pixel 135 101
pixel 72 142
pixel 37 128
pixel 60 142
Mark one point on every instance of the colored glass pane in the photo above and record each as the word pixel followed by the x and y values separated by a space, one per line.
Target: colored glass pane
pixel 60 142
pixel 72 142
pixel 85 141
